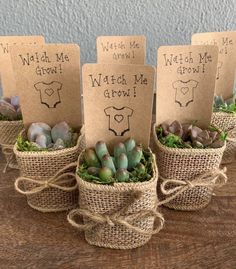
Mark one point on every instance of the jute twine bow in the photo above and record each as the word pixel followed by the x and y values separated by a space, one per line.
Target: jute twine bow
pixel 213 178
pixel 7 150
pixel 121 217
pixel 57 181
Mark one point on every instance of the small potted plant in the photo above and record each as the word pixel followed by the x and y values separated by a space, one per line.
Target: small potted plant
pixel 224 117
pixel 117 200
pixel 188 160
pixel 10 126
pixel 47 159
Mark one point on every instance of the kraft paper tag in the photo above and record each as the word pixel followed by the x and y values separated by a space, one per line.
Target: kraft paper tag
pixel 117 102
pixel 121 49
pixel 226 42
pixel 185 83
pixel 6 71
pixel 48 79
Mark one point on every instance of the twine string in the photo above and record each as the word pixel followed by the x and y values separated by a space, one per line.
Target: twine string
pixel 213 178
pixel 57 181
pixel 7 150
pixel 95 221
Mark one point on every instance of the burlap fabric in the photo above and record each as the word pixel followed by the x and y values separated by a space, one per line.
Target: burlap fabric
pixel 187 176
pixel 9 130
pixel 119 216
pixel 226 122
pixel 48 178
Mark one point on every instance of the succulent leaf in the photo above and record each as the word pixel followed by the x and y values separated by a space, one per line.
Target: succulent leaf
pixel 122 161
pixel 62 131
pixel 101 149
pixel 118 149
pixel 94 171
pixel 129 144
pixel 140 168
pixel 108 162
pixel 105 174
pixel 134 157
pixel 41 140
pixel 59 144
pixel 122 175
pixel 91 158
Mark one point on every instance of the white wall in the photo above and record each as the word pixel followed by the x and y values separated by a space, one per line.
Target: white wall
pixel 161 21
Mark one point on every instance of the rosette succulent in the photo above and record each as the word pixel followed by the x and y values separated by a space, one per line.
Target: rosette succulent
pixel 40 136
pixel 177 135
pixel 128 163
pixel 10 108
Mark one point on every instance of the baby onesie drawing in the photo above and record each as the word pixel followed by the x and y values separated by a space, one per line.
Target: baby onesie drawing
pixel 184 91
pixel 119 119
pixel 49 93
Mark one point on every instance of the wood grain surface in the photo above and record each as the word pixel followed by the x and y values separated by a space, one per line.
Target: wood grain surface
pixel 189 240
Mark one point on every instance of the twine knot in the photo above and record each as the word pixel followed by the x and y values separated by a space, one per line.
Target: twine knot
pixel 7 150
pixel 93 221
pixel 213 178
pixel 109 221
pixel 46 184
pixel 189 183
pixel 58 181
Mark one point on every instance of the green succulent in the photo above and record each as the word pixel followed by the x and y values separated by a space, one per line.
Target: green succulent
pixel 130 163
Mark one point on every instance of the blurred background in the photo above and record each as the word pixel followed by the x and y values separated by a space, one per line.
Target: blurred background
pixel 166 22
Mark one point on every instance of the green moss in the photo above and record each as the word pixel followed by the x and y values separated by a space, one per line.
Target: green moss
pixel 231 108
pixel 134 176
pixel 25 145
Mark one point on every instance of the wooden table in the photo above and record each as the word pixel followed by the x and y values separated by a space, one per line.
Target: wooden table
pixel 191 240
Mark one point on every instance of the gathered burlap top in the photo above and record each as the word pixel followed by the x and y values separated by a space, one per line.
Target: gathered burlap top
pixel 118 216
pixel 188 176
pixel 226 122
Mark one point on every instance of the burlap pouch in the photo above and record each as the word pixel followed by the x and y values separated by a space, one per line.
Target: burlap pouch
pixel 226 122
pixel 9 130
pixel 48 178
pixel 188 176
pixel 119 216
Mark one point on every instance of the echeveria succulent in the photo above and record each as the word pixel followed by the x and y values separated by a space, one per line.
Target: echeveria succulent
pixel 129 163
pixel 10 108
pixel 42 137
pixel 177 135
pixel 61 131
